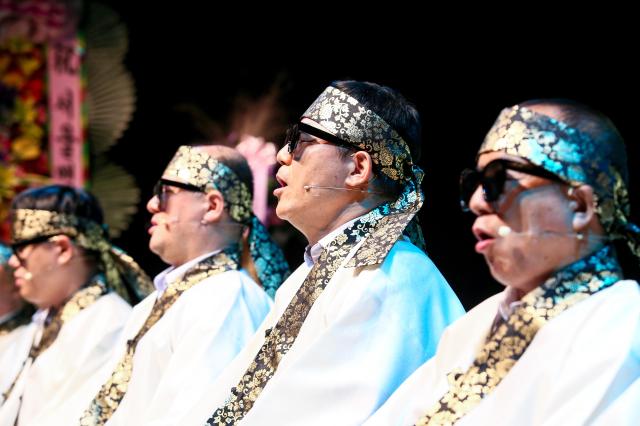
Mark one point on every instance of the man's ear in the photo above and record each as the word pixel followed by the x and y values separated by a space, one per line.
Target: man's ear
pixel 361 172
pixel 583 205
pixel 215 207
pixel 65 248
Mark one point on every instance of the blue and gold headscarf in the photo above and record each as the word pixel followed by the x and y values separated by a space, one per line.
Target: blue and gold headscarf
pixel 575 157
pixel 194 166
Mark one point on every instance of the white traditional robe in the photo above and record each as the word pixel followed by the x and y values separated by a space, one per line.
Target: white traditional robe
pixel 187 348
pixel 82 346
pixel 622 408
pixel 368 330
pixel 6 340
pixel 577 365
pixel 14 347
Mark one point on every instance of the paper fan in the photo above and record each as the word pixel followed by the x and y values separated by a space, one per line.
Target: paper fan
pixel 111 93
pixel 110 101
pixel 115 188
pixel 105 31
pixel 110 104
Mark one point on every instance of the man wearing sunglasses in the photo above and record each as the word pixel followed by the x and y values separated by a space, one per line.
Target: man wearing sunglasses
pixel 14 312
pixel 206 306
pixel 65 265
pixel 367 306
pixel 561 343
pixel 15 315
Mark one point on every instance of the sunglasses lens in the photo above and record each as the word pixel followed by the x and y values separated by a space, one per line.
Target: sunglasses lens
pixel 18 250
pixel 293 135
pixel 469 181
pixel 158 191
pixel 493 178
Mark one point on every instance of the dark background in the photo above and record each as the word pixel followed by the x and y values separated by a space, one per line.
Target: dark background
pixel 188 53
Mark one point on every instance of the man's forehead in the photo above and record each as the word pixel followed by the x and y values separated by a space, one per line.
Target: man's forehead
pixel 315 124
pixel 174 178
pixel 487 157
pixel 305 136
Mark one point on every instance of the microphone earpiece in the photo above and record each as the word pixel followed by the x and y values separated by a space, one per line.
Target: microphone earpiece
pixel 28 275
pixel 504 231
pixel 308 188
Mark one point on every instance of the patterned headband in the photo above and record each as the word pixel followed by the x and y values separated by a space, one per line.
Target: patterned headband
pixel 120 270
pixel 194 166
pixel 575 157
pixel 350 121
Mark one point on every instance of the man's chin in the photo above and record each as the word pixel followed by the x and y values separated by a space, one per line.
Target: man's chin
pixel 281 211
pixel 156 247
pixel 30 299
pixel 501 272
pixel 164 255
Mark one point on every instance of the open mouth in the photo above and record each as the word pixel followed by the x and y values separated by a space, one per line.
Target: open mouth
pixel 484 237
pixel 278 191
pixel 281 181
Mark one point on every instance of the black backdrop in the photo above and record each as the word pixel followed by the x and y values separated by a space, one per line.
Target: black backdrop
pixel 197 54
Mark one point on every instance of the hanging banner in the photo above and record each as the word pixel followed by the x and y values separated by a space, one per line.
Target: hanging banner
pixel 64 59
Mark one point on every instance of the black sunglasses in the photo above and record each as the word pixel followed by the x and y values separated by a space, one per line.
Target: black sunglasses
pixel 160 192
pixel 493 177
pixel 293 136
pixel 19 247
